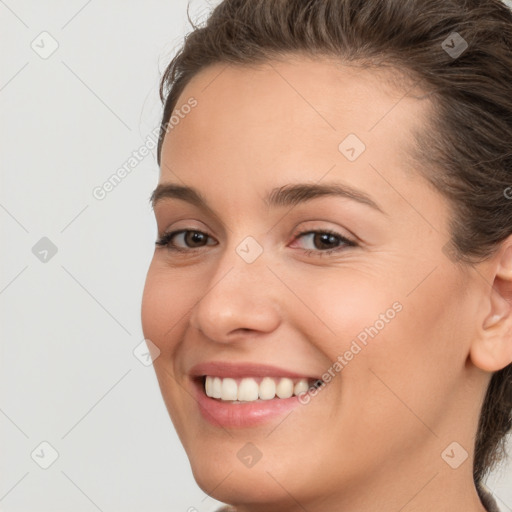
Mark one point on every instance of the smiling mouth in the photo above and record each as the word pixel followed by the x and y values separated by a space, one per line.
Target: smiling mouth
pixel 251 389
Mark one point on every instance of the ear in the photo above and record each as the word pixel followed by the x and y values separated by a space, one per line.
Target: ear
pixel 491 349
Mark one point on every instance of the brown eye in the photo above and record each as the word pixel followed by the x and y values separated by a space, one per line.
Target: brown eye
pixel 183 240
pixel 325 242
pixel 195 238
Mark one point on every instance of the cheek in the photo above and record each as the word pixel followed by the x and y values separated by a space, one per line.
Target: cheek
pixel 397 351
pixel 413 366
pixel 339 307
pixel 166 301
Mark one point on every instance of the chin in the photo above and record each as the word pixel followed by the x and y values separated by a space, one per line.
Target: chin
pixel 238 487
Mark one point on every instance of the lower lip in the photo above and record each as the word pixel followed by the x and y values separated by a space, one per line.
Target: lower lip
pixel 243 414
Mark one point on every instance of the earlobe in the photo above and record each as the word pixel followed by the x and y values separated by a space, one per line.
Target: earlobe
pixel 492 349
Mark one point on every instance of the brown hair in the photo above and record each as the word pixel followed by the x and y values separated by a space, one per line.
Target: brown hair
pixel 466 149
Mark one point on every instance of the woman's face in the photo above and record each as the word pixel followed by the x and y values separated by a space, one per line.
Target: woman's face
pixel 249 290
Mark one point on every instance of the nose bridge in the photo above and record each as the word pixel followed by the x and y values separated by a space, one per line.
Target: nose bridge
pixel 238 295
pixel 243 263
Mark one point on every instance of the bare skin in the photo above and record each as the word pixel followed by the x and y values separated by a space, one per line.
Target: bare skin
pixel 373 438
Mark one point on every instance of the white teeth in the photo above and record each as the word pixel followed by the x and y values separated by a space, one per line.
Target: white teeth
pixel 285 388
pixel 229 390
pixel 300 387
pixel 248 389
pixel 267 388
pixel 208 384
pixel 216 387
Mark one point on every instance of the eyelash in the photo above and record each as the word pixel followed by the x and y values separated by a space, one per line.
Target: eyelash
pixel 166 238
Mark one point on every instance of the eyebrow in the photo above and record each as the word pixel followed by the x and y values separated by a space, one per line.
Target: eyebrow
pixel 287 195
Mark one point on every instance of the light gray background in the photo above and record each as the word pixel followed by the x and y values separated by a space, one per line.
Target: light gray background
pixel 69 325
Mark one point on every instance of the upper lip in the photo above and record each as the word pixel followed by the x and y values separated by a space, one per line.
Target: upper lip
pixel 237 370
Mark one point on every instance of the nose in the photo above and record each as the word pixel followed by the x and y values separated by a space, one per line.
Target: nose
pixel 240 299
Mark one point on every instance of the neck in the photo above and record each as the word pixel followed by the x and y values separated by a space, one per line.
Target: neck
pixel 438 488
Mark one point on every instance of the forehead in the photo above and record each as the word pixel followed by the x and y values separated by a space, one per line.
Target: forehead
pixel 324 89
pixel 290 118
